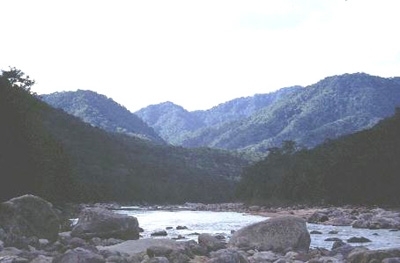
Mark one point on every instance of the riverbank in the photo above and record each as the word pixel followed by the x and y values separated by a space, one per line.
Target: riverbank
pixel 30 231
pixel 355 216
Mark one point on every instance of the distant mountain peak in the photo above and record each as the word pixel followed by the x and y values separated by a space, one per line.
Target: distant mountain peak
pixel 334 106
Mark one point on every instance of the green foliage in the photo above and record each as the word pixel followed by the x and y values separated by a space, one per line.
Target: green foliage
pixel 201 128
pixel 355 169
pixel 101 112
pixel 17 78
pixel 333 107
pixel 55 155
pixel 31 160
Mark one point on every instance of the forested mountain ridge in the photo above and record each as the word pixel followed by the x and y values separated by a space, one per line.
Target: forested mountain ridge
pixel 170 121
pixel 48 152
pixel 334 106
pixel 102 112
pixel 175 124
pixel 361 168
pixel 328 109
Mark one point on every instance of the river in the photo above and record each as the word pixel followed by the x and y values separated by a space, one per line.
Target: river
pixel 224 222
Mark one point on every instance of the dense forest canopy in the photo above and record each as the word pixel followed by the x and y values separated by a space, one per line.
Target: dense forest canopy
pixel 31 160
pixel 46 152
pixel 362 168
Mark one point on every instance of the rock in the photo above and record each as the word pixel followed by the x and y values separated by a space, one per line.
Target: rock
pixel 333 232
pixel 334 239
pixel 358 240
pixel 227 256
pixel 342 250
pixel 79 255
pixel 181 227
pixel 173 254
pixel 160 233
pixel 318 217
pixel 157 260
pixel 42 259
pixel 210 242
pixel 315 232
pixel 277 234
pixel 28 216
pixel 366 256
pixel 76 242
pixel 338 244
pixel 195 248
pixel 378 219
pixel 342 221
pixel 391 260
pixel 99 222
pixel 264 256
pixel 159 251
pixel 133 247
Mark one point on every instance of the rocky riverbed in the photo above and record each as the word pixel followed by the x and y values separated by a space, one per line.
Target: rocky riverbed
pixel 32 230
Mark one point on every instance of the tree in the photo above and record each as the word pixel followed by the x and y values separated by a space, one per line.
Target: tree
pixel 18 79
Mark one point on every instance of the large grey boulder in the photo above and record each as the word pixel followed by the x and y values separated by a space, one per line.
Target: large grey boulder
pixel 366 256
pixel 103 223
pixel 210 242
pixel 79 255
pixel 277 234
pixel 28 216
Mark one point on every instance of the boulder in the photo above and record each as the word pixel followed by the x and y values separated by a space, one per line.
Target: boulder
pixel 79 255
pixel 210 242
pixel 28 216
pixel 318 217
pixel 133 247
pixel 276 234
pixel 358 240
pixel 365 256
pixel 227 256
pixel 103 223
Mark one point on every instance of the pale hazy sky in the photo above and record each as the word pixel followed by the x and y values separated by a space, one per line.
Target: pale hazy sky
pixel 195 53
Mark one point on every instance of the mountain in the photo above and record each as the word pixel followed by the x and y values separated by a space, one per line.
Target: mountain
pixel 101 112
pixel 170 121
pixel 241 108
pixel 361 168
pixel 45 151
pixel 333 107
pixel 174 123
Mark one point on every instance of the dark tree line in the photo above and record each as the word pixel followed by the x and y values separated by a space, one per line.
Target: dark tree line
pixel 31 160
pixel 363 168
pixel 46 152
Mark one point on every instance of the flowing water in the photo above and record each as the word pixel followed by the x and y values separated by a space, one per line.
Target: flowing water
pixel 223 223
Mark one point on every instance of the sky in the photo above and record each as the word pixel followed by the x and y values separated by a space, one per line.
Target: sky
pixel 195 53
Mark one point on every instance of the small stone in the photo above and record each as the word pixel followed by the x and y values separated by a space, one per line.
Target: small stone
pixel 159 233
pixel 315 232
pixel 358 240
pixel 333 239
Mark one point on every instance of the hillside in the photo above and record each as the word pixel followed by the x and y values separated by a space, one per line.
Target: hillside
pixel 362 168
pixel 48 152
pixel 170 121
pixel 174 123
pixel 101 112
pixel 333 107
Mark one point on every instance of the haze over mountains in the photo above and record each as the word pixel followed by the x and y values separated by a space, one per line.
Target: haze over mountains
pixel 333 107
